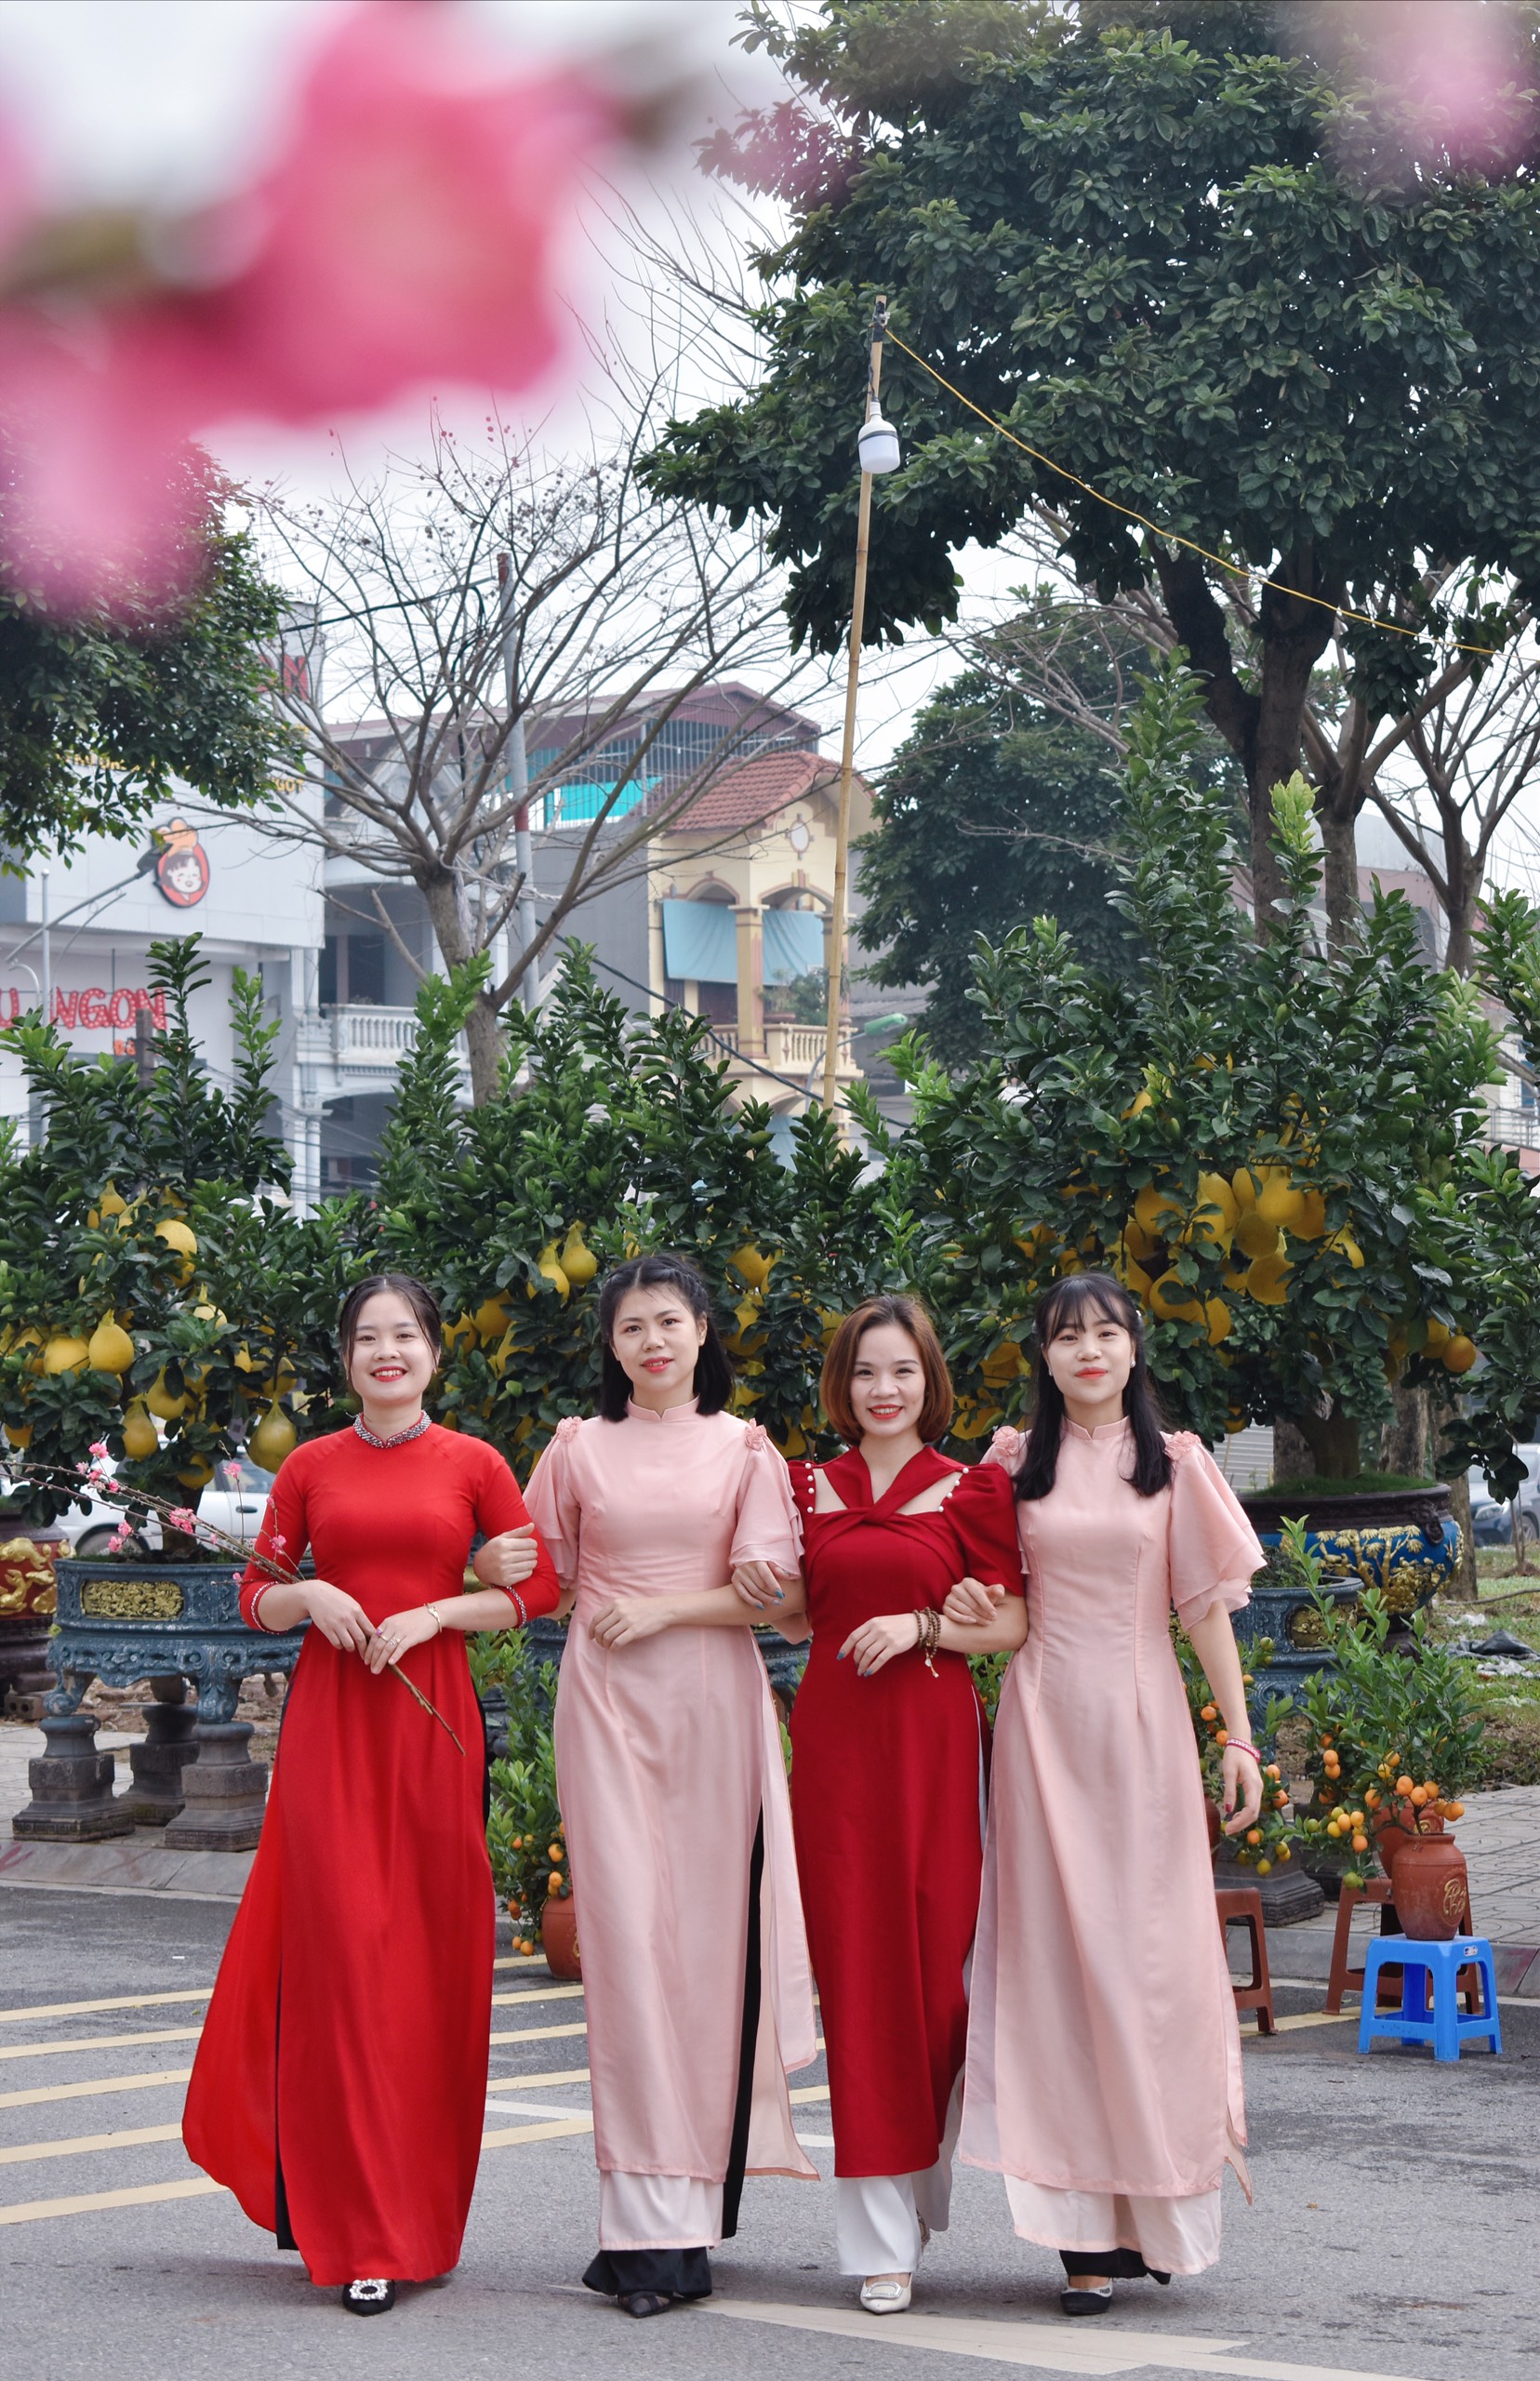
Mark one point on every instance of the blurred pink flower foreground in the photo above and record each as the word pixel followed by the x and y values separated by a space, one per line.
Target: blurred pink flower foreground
pixel 404 235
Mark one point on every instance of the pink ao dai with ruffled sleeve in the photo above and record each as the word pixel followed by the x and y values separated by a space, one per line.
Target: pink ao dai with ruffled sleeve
pixel 1103 2075
pixel 668 1758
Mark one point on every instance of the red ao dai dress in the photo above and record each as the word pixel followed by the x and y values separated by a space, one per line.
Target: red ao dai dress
pixel 1104 2058
pixel 340 2085
pixel 673 1794
pixel 887 1799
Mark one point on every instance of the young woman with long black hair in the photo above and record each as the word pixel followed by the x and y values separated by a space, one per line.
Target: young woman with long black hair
pixel 340 2085
pixel 1104 2060
pixel 672 1785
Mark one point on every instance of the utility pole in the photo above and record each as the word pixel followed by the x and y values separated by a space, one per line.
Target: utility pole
pixel 518 773
pixel 145 1048
pixel 877 445
pixel 47 954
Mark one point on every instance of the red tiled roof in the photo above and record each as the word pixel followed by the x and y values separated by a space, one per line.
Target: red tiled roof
pixel 756 791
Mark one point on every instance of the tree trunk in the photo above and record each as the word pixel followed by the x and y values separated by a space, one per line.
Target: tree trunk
pixel 484 1042
pixel 1295 635
pixel 1405 1447
pixel 1339 876
pixel 1332 1439
pixel 1293 1459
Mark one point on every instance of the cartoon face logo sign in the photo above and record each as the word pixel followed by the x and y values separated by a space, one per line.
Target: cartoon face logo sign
pixel 182 866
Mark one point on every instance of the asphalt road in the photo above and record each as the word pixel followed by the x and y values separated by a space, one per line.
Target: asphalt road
pixel 1394 2236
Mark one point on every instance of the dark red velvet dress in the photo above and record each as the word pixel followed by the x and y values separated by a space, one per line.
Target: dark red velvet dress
pixel 887 1775
pixel 341 2085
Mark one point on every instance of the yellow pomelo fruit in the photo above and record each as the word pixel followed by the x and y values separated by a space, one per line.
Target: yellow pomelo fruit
pixel 160 1401
pixel 1312 1219
pixel 1070 1263
pixel 34 1339
pixel 110 1349
pixel 492 1318
pixel 64 1353
pixel 198 1472
pixel 1234 1422
pixel 274 1438
pixel 1243 1184
pixel 1136 1107
pixel 1255 1236
pixel 1460 1353
pixel 1218 1316
pixel 1157 1210
pixel 1268 1279
pixel 1173 1301
pixel 1138 1242
pixel 578 1261
pixel 178 1236
pixel 1278 1202
pixel 1002 1364
pixel 754 1268
pixel 1218 1209
pixel 548 1264
pixel 1346 1245
pixel 1438 1334
pixel 107 1206
pixel 141 1437
pixel 18 1434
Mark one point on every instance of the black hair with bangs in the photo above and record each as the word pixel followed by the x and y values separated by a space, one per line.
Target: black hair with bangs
pixel 714 1372
pixel 1066 1303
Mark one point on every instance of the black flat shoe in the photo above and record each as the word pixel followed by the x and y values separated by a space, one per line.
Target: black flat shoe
pixel 1163 2279
pixel 369 2297
pixel 646 2302
pixel 1087 2302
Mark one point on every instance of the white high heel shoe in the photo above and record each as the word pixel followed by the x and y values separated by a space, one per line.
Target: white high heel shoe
pixel 888 2298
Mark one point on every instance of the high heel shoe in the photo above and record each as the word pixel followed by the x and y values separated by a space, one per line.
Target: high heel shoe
pixel 1086 2302
pixel 888 2298
pixel 369 2297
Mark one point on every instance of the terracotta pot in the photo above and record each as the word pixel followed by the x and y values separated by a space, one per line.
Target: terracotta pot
pixel 1390 1833
pixel 559 1936
pixel 1431 1888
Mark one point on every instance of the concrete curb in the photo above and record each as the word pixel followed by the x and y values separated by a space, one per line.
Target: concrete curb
pixel 130 1866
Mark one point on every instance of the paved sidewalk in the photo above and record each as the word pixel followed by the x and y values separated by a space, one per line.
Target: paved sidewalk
pixel 129 1864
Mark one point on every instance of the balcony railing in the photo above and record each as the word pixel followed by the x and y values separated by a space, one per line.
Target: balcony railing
pixel 362 1038
pixel 794 1049
pixel 1513 1129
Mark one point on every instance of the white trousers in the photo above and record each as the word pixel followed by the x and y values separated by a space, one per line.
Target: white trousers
pixel 1173 2235
pixel 659 2212
pixel 877 2217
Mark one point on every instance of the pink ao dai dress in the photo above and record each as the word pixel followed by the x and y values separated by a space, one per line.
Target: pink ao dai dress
pixel 1102 2077
pixel 667 1762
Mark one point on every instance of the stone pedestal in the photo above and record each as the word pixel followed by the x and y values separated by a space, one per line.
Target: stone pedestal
pixel 71 1787
pixel 170 1741
pixel 224 1793
pixel 1289 1894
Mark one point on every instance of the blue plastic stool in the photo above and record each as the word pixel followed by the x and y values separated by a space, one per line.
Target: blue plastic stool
pixel 1445 2025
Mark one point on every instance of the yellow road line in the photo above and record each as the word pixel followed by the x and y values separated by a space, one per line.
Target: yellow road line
pixel 1311 2017
pixel 538 2034
pixel 557 1992
pixel 549 2082
pixel 808 2092
pixel 87 2091
pixel 552 2130
pixel 27 2151
pixel 100 2042
pixel 37 2210
pixel 85 2008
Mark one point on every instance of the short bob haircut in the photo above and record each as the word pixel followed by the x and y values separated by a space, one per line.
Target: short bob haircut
pixel 1105 1300
pixel 714 1372
pixel 418 1296
pixel 839 1366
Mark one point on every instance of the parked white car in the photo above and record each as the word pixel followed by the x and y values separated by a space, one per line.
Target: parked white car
pixel 235 1501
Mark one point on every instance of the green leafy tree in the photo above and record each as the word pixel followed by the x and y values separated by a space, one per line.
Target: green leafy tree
pixel 102 714
pixel 1273 1145
pixel 1198 273
pixel 1003 804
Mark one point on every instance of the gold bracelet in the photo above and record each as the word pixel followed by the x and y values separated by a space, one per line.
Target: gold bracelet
pixel 437 1616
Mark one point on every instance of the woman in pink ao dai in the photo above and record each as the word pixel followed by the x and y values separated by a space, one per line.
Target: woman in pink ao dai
pixel 1102 2077
pixel 673 1786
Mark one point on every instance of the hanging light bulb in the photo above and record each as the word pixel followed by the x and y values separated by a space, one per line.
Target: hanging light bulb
pixel 877 445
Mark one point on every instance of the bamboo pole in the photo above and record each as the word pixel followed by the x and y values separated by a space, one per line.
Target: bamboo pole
pixel 847 747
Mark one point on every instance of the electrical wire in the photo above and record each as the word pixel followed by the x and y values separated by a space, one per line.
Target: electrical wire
pixel 1236 570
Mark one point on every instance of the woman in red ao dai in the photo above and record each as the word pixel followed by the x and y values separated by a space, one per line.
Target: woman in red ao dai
pixel 341 2085
pixel 1104 2058
pixel 888 1746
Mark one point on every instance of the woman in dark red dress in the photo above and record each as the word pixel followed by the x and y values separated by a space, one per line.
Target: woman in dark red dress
pixel 888 1744
pixel 340 2088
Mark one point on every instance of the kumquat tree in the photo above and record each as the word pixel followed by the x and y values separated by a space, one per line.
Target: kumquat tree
pixel 1276 1144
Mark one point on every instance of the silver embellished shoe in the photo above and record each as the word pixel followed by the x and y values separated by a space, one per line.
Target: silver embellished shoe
pixel 369 2297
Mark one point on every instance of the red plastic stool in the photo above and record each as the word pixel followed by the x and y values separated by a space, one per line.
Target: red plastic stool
pixel 1341 1978
pixel 1241 1906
